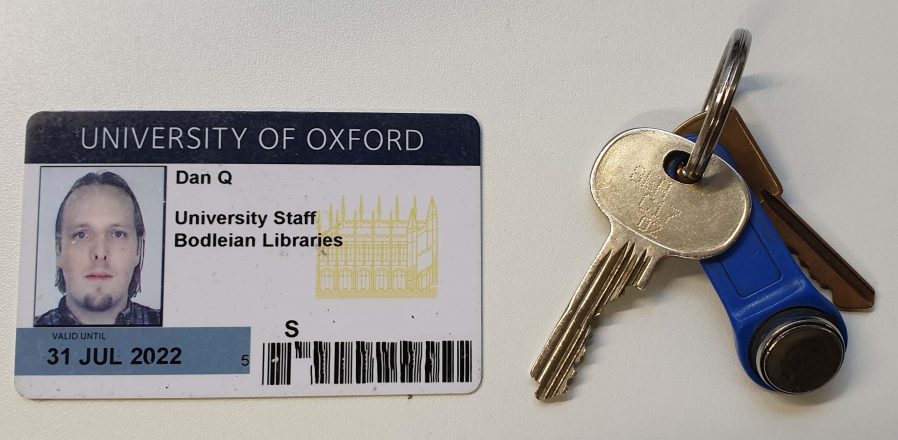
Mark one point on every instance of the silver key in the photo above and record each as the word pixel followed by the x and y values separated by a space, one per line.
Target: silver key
pixel 652 216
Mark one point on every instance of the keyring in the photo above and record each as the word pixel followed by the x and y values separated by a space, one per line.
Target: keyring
pixel 717 105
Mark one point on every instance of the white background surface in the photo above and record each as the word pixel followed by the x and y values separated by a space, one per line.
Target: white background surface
pixel 550 84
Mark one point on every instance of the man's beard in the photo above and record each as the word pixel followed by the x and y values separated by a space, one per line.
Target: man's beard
pixel 99 303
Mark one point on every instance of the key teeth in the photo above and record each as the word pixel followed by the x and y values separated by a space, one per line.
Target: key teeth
pixel 807 268
pixel 563 386
pixel 582 352
pixel 646 265
pixel 553 393
pixel 607 278
pixel 857 295
pixel 640 274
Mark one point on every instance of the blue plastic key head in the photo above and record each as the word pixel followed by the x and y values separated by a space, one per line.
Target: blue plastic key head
pixel 789 337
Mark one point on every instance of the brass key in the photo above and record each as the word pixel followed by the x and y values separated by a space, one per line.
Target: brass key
pixel 849 290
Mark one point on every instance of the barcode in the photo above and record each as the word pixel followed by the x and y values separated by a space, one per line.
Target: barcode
pixel 277 360
pixel 361 362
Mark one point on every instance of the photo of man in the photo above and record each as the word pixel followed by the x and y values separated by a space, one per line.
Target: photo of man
pixel 100 240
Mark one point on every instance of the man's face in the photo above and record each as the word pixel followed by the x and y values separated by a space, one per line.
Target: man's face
pixel 99 247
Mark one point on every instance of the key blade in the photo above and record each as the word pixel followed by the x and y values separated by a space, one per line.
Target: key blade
pixel 849 289
pixel 604 281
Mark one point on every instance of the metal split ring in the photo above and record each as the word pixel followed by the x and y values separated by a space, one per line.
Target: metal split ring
pixel 717 104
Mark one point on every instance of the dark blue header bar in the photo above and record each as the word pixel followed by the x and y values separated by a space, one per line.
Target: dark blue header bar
pixel 253 138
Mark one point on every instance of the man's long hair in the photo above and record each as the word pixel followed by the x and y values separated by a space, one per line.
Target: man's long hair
pixel 114 180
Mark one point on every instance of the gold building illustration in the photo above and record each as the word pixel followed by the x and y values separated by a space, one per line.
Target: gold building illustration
pixel 382 256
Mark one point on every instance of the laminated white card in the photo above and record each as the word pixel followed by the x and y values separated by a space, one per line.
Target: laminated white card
pixel 235 254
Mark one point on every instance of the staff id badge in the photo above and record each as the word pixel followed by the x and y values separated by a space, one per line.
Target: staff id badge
pixel 249 254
